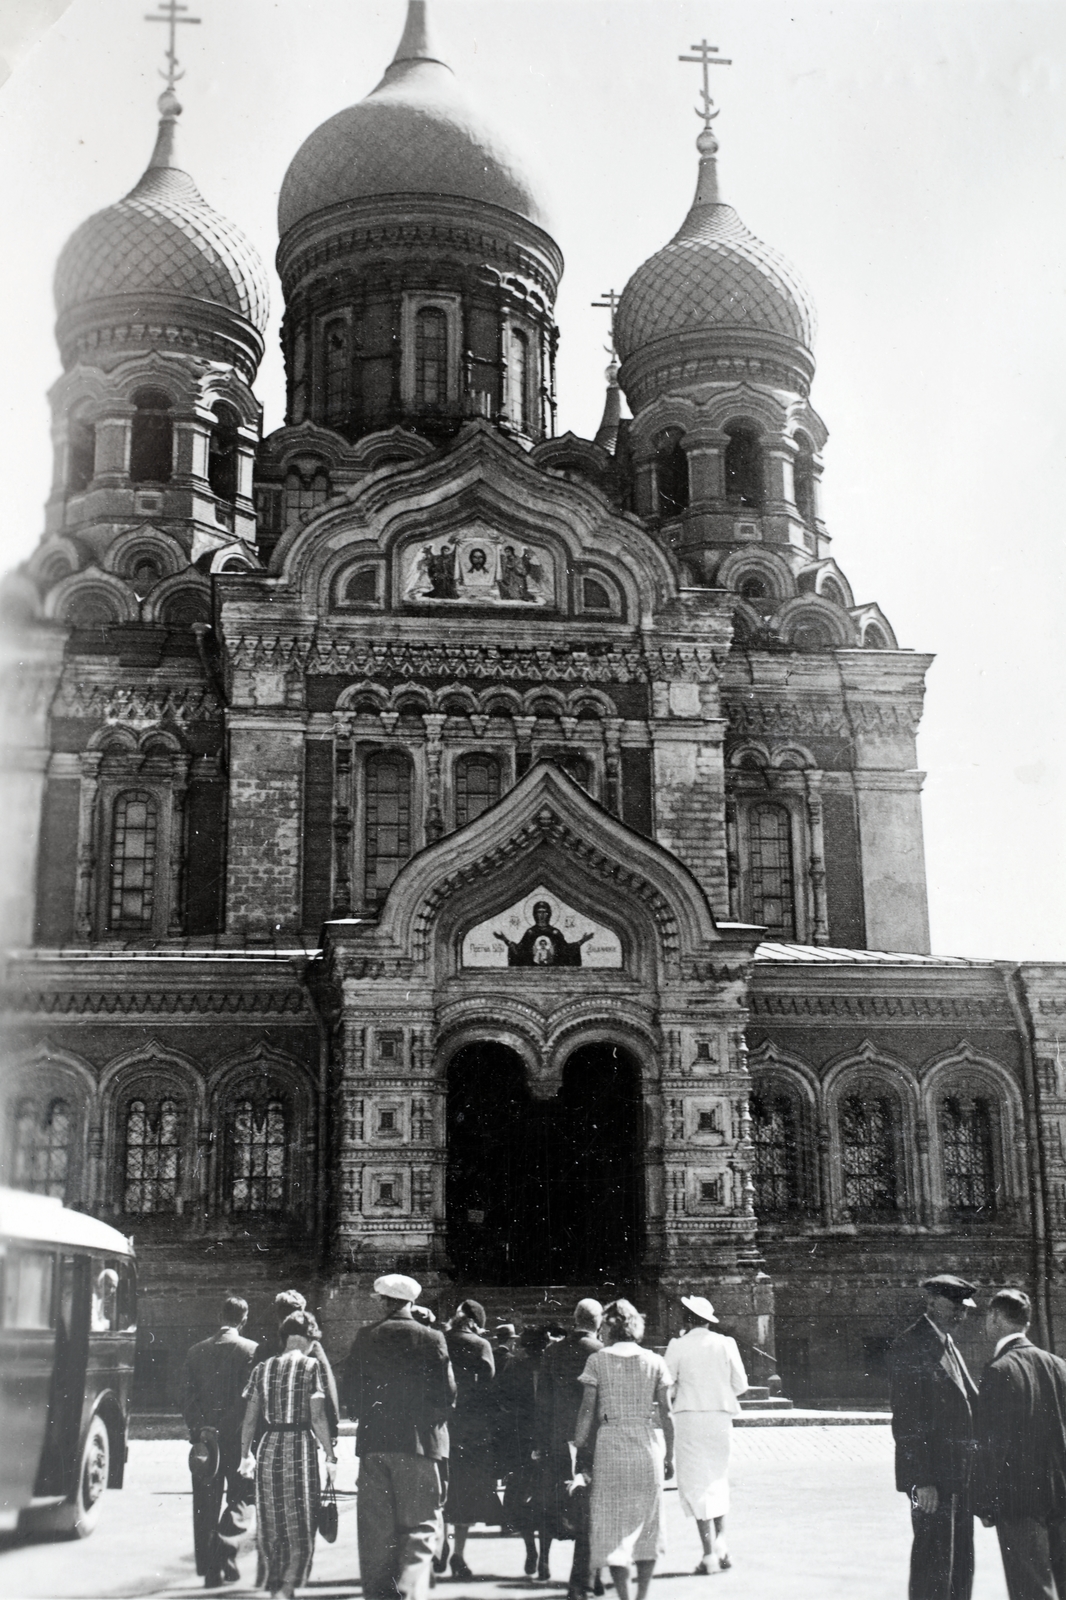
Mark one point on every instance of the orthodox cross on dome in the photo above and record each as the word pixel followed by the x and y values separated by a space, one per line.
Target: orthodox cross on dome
pixel 706 56
pixel 170 13
pixel 608 303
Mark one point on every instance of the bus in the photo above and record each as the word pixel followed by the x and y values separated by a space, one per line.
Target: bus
pixel 68 1325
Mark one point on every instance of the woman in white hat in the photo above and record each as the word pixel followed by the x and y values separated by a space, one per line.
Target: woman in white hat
pixel 707 1375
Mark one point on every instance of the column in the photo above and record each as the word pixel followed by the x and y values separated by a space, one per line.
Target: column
pixel 433 722
pixel 612 735
pixel 820 918
pixel 179 785
pixel 343 809
pixel 90 783
pixel 523 727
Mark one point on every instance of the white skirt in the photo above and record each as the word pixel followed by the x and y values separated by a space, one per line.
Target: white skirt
pixel 702 1443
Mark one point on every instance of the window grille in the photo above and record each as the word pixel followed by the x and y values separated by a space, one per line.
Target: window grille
pixel 153 1158
pixel 336 386
pixel 431 357
pixel 42 1147
pixel 477 787
pixel 388 822
pixel 151 438
pixel 774 1174
pixel 868 1158
pixel 770 869
pixel 303 495
pixel 134 833
pixel 259 1142
pixel 966 1140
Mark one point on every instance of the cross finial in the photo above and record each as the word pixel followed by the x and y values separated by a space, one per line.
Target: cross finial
pixel 706 56
pixel 170 13
pixel 608 303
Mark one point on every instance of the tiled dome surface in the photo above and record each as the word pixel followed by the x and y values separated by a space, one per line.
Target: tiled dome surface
pixel 163 238
pixel 713 274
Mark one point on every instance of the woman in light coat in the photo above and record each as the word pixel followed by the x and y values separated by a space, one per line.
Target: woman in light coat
pixel 707 1376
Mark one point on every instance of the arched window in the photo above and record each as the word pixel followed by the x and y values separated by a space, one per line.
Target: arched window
pixel 966 1143
pixel 387 834
pixel 477 787
pixel 152 1174
pixel 811 633
pixel 81 452
pixel 832 592
pixel 520 379
pixel 134 835
pixel 671 473
pixel 868 1157
pixel 431 357
pixel 304 491
pixel 42 1146
pixel 336 364
pixel 223 457
pixel 743 465
pixel 753 588
pixel 873 638
pixel 151 438
pixel 803 479
pixel 258 1149
pixel 770 871
pixel 775 1168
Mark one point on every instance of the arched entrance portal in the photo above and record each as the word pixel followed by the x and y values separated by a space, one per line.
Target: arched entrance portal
pixel 543 1191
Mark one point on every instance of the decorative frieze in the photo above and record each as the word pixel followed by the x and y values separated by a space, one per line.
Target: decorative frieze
pixel 124 1001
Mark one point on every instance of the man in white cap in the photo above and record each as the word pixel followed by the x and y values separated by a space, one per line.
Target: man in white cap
pixel 400 1388
pixel 708 1376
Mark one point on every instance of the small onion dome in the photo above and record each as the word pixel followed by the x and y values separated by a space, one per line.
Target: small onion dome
pixel 411 135
pixel 161 242
pixel 715 278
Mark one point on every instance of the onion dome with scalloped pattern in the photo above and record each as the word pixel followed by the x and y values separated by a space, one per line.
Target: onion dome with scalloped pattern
pixel 714 295
pixel 162 256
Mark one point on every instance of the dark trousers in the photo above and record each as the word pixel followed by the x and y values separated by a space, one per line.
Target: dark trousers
pixel 399 1524
pixel 942 1552
pixel 216 1539
pixel 580 1577
pixel 1034 1558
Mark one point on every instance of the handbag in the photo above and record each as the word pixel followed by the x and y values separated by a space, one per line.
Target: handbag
pixel 327 1512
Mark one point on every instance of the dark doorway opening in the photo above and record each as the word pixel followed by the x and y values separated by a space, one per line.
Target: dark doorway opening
pixel 543 1191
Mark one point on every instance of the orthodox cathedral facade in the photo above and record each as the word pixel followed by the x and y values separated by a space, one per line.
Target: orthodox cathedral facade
pixel 440 844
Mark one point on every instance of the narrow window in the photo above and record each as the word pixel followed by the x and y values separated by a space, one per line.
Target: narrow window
pixel 520 380
pixel 966 1140
pixel 770 870
pixel 134 830
pixel 81 453
pixel 336 371
pixel 42 1148
pixel 431 357
pixel 388 822
pixel 803 479
pixel 259 1142
pixel 868 1158
pixel 477 787
pixel 304 492
pixel 671 474
pixel 153 1158
pixel 223 457
pixel 151 438
pixel 775 1170
pixel 743 465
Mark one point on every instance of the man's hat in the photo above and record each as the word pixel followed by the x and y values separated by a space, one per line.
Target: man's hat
pixel 204 1457
pixel 395 1286
pixel 699 1306
pixel 952 1288
pixel 506 1330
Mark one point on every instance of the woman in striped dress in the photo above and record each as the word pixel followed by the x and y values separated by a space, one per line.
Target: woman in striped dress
pixel 286 1393
pixel 627 1402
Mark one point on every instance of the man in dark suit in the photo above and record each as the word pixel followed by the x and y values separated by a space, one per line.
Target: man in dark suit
pixel 1020 1424
pixel 932 1422
pixel 400 1388
pixel 216 1371
pixel 562 1366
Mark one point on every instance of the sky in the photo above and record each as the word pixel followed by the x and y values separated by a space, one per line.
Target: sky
pixel 908 157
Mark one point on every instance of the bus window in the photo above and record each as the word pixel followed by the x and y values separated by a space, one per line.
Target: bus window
pixel 113 1302
pixel 28 1278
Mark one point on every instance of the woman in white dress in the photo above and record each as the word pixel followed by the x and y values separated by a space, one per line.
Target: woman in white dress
pixel 707 1375
pixel 627 1400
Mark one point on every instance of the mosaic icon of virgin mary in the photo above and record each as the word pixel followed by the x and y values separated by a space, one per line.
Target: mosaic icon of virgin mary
pixel 543 945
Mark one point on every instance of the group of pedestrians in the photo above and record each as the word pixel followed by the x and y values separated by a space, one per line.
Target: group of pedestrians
pixel 996 1451
pixel 575 1423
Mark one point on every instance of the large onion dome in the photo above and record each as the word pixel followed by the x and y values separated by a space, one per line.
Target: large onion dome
pixel 162 255
pixel 412 135
pixel 713 295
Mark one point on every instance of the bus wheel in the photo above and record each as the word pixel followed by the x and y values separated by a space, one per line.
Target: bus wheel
pixel 92 1479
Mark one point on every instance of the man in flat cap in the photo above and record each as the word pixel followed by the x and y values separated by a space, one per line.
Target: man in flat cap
pixel 400 1388
pixel 1020 1477
pixel 932 1422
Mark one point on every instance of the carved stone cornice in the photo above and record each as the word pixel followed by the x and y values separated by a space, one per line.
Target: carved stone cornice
pixel 791 718
pixel 136 705
pixel 215 1002
pixel 882 1007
